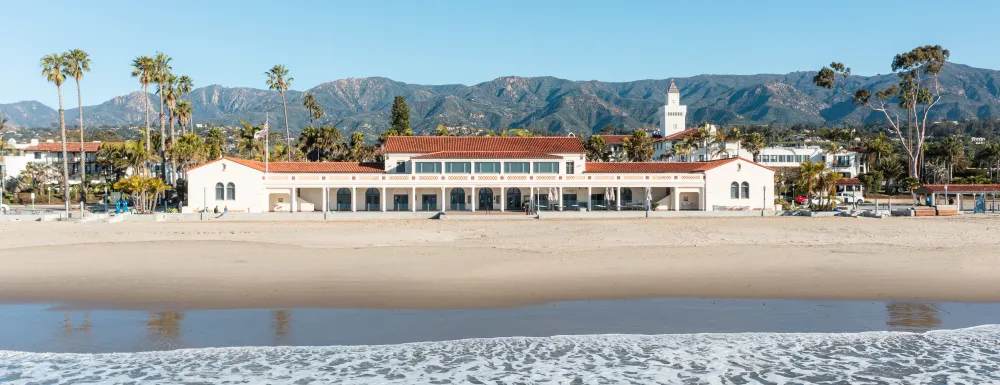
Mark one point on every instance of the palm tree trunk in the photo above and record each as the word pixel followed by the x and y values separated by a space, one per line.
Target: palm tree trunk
pixel 83 155
pixel 145 89
pixel 62 128
pixel 163 138
pixel 173 162
pixel 288 135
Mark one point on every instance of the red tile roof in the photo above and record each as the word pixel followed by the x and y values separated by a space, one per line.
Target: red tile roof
pixel 620 139
pixel 427 144
pixel 660 167
pixel 70 146
pixel 847 181
pixel 959 188
pixel 681 135
pixel 486 155
pixel 307 167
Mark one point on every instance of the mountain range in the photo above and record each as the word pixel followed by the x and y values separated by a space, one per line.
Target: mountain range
pixel 549 104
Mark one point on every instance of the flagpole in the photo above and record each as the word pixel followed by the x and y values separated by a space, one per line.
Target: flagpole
pixel 267 147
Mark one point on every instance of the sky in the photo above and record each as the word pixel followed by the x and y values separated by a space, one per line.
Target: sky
pixel 232 43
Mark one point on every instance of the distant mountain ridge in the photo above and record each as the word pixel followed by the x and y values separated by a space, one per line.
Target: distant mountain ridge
pixel 551 104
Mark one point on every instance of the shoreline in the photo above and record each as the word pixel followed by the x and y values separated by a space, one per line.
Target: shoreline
pixel 495 264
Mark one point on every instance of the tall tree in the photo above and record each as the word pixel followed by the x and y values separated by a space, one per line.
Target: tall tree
pixel 917 91
pixel 143 67
pixel 184 112
pixel 78 62
pixel 184 87
pixel 638 147
pixel 330 142
pixel 315 109
pixel 169 97
pixel 278 80
pixel 308 143
pixel 52 69
pixel 400 120
pixel 162 75
pixel 754 143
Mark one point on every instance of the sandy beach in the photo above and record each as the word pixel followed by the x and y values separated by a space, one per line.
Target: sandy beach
pixel 482 264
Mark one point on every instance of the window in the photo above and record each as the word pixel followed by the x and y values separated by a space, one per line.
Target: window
pixel 626 195
pixel 734 190
pixel 746 190
pixel 38 155
pixel 373 200
pixel 231 191
pixel 546 167
pixel 458 167
pixel 487 167
pixel 428 168
pixel 220 192
pixel 400 167
pixel 570 168
pixel 516 167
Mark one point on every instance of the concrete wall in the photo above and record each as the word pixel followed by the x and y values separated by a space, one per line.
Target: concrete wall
pixel 248 181
pixel 719 180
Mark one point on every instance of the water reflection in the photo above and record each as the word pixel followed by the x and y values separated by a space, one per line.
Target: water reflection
pixel 68 327
pixel 281 321
pixel 912 316
pixel 165 327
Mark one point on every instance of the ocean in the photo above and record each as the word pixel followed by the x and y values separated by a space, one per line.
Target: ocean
pixel 670 341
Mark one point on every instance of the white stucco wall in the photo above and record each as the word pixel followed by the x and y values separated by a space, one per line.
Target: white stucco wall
pixel 719 179
pixel 249 187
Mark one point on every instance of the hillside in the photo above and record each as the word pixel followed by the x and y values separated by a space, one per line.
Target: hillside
pixel 545 103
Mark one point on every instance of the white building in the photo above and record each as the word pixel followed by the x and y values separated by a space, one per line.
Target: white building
pixel 844 162
pixel 446 174
pixel 16 159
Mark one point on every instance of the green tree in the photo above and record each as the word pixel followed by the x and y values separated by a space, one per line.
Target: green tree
pixel 143 190
pixel 330 143
pixel 278 80
pixel 754 143
pixel 184 87
pixel 951 150
pixel 357 150
pixel 143 67
pixel 247 144
pixel 597 149
pixel 189 151
pixel 400 120
pixel 638 147
pixel 215 140
pixel 52 69
pixel 184 112
pixel 78 62
pixel 170 98
pixel 989 155
pixel 917 91
pixel 308 143
pixel 315 109
pixel 162 76
pixel 876 148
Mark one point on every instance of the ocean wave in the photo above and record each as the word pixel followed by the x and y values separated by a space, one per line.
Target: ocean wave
pixel 970 355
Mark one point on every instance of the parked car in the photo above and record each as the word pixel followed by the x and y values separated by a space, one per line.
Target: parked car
pixel 801 200
pixel 851 198
pixel 816 201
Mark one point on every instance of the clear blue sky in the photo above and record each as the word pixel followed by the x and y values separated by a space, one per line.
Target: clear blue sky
pixel 467 42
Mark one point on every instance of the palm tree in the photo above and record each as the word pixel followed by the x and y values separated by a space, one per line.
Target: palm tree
pixel 246 140
pixel 169 96
pixel 161 75
pixel 330 142
pixel 754 143
pixel 143 68
pixel 717 144
pixel 78 62
pixel 736 135
pixel 215 140
pixel 184 87
pixel 52 70
pixel 184 112
pixel 315 110
pixel 188 152
pixel 951 149
pixel 278 80
pixel 875 149
pixel 684 148
pixel 308 139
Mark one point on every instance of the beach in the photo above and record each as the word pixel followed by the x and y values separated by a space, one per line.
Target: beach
pixel 454 264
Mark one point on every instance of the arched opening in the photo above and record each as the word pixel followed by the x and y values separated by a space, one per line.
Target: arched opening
pixel 373 200
pixel 486 199
pixel 514 199
pixel 746 190
pixel 457 199
pixel 734 191
pixel 231 191
pixel 344 199
pixel 626 195
pixel 220 192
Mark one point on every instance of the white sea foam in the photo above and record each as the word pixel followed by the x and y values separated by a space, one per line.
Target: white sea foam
pixel 969 356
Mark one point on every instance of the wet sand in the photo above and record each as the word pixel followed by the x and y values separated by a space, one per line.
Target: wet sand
pixel 445 264
pixel 42 328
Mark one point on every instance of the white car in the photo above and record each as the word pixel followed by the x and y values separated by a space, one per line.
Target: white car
pixel 851 198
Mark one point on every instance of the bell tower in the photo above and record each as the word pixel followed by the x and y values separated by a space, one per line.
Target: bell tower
pixel 673 115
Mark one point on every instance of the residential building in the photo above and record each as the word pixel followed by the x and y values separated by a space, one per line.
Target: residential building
pixel 448 174
pixel 16 160
pixel 844 162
